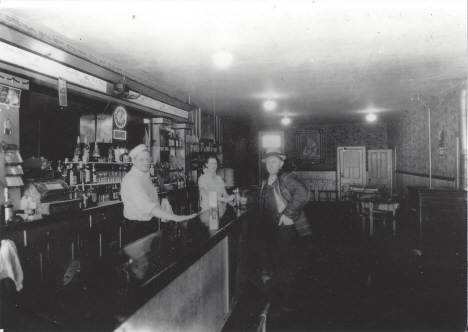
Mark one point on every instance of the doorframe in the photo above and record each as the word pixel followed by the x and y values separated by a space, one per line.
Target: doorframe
pixel 338 169
pixel 261 149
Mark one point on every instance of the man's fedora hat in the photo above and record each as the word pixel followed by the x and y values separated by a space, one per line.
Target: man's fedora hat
pixel 273 152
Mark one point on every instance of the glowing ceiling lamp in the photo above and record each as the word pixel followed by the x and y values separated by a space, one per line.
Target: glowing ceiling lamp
pixel 222 59
pixel 269 105
pixel 286 120
pixel 371 117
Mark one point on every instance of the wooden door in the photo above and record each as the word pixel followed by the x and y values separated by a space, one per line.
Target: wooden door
pixel 380 168
pixel 351 166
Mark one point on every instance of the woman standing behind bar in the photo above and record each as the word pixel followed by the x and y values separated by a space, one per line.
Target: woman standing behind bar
pixel 280 224
pixel 212 182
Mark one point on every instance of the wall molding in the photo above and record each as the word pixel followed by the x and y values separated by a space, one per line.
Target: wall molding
pixel 438 177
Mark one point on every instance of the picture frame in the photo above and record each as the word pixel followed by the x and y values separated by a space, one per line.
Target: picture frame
pixel 207 126
pixel 309 146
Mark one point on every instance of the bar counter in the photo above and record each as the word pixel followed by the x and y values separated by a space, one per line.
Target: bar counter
pixel 181 277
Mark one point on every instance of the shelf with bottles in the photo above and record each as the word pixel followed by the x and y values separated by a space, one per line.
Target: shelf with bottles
pixel 100 152
pixel 170 140
pixel 96 184
pixel 99 163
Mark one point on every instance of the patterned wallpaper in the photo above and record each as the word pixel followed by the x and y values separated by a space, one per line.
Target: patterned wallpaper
pixel 410 134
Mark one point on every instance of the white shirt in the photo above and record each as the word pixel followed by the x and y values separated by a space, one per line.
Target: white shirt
pixel 210 184
pixel 139 195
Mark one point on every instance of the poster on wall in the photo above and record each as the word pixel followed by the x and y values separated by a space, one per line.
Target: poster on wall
pixel 100 130
pixel 104 128
pixel 309 146
pixel 87 129
pixel 9 96
pixel 207 126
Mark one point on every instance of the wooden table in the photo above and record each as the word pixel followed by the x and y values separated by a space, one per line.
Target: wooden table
pixel 376 204
pixel 359 191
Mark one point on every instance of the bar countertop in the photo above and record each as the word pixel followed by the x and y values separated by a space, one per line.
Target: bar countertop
pixel 108 290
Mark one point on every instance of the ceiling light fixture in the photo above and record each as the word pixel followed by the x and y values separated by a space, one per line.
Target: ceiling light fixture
pixel 286 120
pixel 222 59
pixel 269 105
pixel 371 117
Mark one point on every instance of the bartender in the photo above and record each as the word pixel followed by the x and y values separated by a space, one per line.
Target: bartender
pixel 139 196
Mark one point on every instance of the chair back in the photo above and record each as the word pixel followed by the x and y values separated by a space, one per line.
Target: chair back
pixel 322 184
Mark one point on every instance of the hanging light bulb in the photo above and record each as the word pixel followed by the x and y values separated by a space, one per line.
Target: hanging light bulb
pixel 371 117
pixel 269 105
pixel 286 120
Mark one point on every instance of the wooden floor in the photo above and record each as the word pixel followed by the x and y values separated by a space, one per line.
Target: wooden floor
pixel 351 282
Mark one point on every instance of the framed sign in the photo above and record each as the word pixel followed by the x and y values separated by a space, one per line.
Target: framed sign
pixel 309 146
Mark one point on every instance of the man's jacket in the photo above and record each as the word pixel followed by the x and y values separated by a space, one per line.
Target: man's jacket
pixel 295 195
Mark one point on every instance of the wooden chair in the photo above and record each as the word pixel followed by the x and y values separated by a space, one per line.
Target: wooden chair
pixel 345 192
pixel 328 189
pixel 312 185
pixel 332 190
pixel 322 189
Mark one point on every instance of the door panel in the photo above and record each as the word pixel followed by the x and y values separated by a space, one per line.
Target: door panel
pixel 380 168
pixel 351 166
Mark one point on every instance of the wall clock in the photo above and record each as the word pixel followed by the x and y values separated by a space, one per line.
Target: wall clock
pixel 120 117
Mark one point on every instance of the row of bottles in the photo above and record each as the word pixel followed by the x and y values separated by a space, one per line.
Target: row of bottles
pixel 171 141
pixel 74 174
pixel 83 153
pixel 176 180
pixel 98 194
pixel 195 146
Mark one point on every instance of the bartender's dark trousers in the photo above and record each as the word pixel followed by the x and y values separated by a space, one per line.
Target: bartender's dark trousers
pixel 133 230
pixel 277 251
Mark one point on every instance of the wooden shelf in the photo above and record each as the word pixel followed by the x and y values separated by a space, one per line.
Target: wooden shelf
pixel 94 184
pixel 99 163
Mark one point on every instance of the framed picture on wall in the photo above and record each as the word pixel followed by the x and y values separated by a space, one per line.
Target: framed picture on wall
pixel 309 146
pixel 207 126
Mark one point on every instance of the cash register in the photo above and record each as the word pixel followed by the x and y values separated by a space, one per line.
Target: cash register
pixel 52 195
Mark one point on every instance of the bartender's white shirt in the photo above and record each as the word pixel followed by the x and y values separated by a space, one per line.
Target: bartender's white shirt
pixel 139 195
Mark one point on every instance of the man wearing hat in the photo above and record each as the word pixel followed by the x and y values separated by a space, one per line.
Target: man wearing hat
pixel 281 223
pixel 139 196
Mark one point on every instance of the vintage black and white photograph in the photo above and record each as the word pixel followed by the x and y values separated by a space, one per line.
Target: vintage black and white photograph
pixel 233 166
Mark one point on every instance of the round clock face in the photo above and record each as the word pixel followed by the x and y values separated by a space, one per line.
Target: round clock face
pixel 120 117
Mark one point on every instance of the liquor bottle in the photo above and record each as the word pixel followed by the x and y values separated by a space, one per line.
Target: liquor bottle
pixel 58 172
pixel 86 150
pixel 117 154
pixel 116 192
pixel 8 210
pixel 96 152
pixel 110 157
pixel 87 174
pixel 70 181
pixel 77 154
pixel 75 174
pixel 176 139
pixel 94 175
pixel 80 175
pixel 151 169
pixel 125 156
pixel 64 170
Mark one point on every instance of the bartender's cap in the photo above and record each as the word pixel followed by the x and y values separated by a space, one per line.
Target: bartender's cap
pixel 137 149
